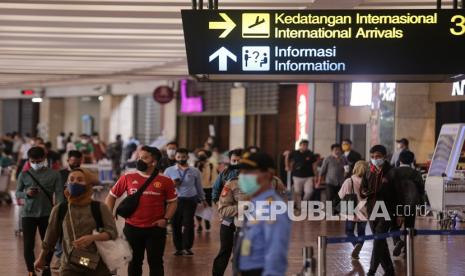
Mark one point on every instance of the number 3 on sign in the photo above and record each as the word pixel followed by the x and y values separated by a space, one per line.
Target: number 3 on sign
pixel 459 28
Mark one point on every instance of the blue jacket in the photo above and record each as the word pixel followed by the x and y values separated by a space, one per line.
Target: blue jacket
pixel 264 244
pixel 222 178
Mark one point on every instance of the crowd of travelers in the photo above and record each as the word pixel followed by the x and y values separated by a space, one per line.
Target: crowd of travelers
pixel 171 183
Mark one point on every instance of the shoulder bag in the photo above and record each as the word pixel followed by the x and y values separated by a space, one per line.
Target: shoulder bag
pixel 114 253
pixel 129 205
pixel 82 257
pixel 41 187
pixel 352 197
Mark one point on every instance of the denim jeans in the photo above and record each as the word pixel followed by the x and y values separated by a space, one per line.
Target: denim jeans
pixel 350 229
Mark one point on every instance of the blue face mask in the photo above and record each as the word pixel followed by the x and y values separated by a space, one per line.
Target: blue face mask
pixel 377 162
pixel 76 189
pixel 248 184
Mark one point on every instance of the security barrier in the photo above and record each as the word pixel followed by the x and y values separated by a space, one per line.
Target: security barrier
pixel 323 241
pixel 308 262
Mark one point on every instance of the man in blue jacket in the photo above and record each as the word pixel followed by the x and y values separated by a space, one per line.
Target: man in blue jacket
pixel 262 245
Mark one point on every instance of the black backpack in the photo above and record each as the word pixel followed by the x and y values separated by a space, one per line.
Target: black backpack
pixel 407 193
pixel 352 196
pixel 94 207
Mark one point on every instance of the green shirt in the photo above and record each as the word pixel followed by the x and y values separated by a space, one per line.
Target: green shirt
pixel 5 161
pixel 87 148
pixel 39 205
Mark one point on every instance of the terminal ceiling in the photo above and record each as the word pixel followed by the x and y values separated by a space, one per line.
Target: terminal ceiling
pixel 50 42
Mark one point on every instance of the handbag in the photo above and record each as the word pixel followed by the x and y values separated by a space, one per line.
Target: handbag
pixel 82 257
pixel 129 205
pixel 114 253
pixel 352 197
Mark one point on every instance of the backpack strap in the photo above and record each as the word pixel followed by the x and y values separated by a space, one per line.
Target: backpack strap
pixel 97 214
pixel 47 194
pixel 94 207
pixel 62 210
pixel 211 173
pixel 352 185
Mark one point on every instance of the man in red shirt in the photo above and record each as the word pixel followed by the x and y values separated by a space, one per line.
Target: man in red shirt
pixel 145 229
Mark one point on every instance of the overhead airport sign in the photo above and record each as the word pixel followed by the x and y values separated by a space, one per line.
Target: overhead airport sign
pixel 312 42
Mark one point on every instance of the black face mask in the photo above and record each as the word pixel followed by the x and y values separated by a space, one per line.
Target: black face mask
pixel 73 167
pixel 141 166
pixel 182 161
pixel 202 158
pixel 233 167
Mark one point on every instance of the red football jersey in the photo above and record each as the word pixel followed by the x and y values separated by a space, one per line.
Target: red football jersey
pixel 152 202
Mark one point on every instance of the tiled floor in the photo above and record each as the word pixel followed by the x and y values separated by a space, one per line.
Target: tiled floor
pixel 434 255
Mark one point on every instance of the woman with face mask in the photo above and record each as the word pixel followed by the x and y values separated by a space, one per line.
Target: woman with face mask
pixel 74 223
pixel 209 173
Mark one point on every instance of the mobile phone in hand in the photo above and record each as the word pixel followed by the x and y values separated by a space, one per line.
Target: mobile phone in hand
pixel 33 191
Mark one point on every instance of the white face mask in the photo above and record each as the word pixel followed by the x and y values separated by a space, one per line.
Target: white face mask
pixel 83 141
pixel 171 152
pixel 39 166
pixel 377 162
pixel 235 162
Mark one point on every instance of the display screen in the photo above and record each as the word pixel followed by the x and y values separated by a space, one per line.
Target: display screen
pixel 336 42
pixel 461 161
pixel 442 155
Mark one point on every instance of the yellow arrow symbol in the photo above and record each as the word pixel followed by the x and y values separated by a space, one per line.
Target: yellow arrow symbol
pixel 228 25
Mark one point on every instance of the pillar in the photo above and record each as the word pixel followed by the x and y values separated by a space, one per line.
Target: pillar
pixel 72 118
pixel 237 118
pixel 121 119
pixel 110 110
pixel 415 118
pixel 51 119
pixel 169 120
pixel 325 119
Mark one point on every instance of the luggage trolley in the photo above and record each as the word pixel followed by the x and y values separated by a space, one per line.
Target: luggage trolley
pixel 445 183
pixel 7 196
pixel 5 181
pixel 104 170
pixel 19 223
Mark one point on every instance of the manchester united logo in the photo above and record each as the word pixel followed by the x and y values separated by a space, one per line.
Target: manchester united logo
pixel 157 185
pixel 225 191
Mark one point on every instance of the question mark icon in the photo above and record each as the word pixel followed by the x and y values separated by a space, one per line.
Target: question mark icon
pixel 257 54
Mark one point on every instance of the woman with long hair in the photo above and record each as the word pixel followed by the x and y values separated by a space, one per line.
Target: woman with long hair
pixel 352 185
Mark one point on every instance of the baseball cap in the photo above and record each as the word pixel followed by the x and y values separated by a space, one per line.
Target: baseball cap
pixel 256 161
pixel 403 141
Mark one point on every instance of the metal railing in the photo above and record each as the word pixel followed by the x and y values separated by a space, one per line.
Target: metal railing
pixel 323 241
pixel 308 262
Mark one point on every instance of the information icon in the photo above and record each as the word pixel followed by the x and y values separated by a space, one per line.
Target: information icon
pixel 256 58
pixel 256 25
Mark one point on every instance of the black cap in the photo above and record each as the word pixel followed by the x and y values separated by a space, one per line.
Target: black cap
pixel 256 161
pixel 403 141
